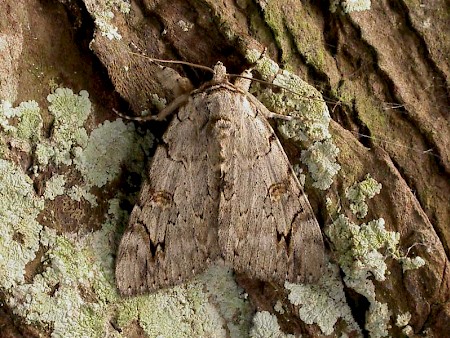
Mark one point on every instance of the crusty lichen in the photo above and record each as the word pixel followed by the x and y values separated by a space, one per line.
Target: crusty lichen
pixel 349 6
pixel 70 112
pixel 377 320
pixel 19 230
pixel 54 187
pixel 323 303
pixel 27 129
pixel 57 296
pixel 265 325
pixel 109 147
pixel 411 263
pixel 188 310
pixel 359 192
pixel 103 14
pixel 310 119
pixel 320 158
pixel 358 248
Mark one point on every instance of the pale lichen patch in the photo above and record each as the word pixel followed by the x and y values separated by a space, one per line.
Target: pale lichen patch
pixel 209 306
pixel 310 120
pixel 349 6
pixel 359 255
pixel 70 112
pixel 323 303
pixel 265 325
pixel 19 230
pixel 320 158
pixel 103 14
pixel 57 295
pixel 359 192
pixel 357 246
pixel 54 187
pixel 110 146
pixel 27 130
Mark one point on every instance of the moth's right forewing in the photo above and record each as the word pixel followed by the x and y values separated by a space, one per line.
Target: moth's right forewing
pixel 267 227
pixel 172 233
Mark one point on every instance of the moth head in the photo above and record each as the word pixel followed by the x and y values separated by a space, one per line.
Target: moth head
pixel 220 72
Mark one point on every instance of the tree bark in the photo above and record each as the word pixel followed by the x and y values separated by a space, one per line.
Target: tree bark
pixel 383 73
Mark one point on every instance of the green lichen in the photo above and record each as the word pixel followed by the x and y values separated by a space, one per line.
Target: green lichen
pixel 323 303
pixel 265 325
pixel 158 102
pixel 70 112
pixel 412 263
pixel 377 320
pixel 300 101
pixel 100 156
pixel 265 66
pixel 252 55
pixel 28 126
pixel 358 193
pixel 69 294
pixel 349 6
pixel 19 230
pixel 179 312
pixel 54 187
pixel 295 31
pixel 110 146
pixel 358 246
pixel 309 123
pixel 359 258
pixel 188 310
pixel 320 158
pixel 103 14
pixel 77 193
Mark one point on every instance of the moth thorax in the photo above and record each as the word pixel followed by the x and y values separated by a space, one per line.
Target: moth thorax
pixel 223 128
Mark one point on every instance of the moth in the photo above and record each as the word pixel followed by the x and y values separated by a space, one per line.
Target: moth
pixel 220 186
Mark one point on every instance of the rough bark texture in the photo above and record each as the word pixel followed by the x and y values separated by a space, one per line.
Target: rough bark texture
pixel 384 71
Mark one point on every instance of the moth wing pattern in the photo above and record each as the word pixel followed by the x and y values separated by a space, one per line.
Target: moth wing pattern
pixel 172 231
pixel 220 185
pixel 267 228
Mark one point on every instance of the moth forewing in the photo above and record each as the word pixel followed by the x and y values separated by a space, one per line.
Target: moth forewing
pixel 219 186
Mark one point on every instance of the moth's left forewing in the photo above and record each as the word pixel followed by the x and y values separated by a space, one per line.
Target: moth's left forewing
pixel 267 228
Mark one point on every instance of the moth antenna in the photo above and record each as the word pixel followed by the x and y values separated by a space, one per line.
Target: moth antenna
pixel 135 118
pixel 165 112
pixel 284 88
pixel 209 69
pixel 162 115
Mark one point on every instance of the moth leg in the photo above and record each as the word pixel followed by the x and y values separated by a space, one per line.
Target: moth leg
pixel 162 115
pixel 271 115
pixel 171 107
